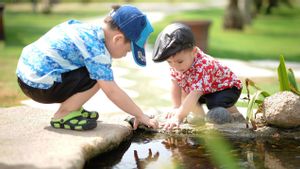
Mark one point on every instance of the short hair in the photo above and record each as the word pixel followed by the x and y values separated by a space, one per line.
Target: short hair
pixel 111 23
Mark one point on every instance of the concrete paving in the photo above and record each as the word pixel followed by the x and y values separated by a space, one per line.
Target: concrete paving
pixel 28 141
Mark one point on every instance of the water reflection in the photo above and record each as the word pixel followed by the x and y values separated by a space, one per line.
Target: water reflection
pixel 143 162
pixel 187 152
pixel 162 151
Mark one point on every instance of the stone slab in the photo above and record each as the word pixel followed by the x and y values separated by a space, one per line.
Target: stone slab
pixel 28 141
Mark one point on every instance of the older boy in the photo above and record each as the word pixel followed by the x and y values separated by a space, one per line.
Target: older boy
pixel 72 61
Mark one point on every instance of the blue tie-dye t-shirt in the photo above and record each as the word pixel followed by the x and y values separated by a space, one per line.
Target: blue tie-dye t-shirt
pixel 66 47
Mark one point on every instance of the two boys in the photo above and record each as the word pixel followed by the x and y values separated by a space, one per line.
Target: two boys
pixel 72 61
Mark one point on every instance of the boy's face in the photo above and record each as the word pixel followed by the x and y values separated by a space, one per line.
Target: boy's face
pixel 182 60
pixel 118 47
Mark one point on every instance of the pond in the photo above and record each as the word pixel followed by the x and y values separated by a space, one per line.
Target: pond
pixel 148 150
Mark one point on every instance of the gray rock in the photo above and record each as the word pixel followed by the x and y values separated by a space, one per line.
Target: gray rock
pixel 282 110
pixel 218 115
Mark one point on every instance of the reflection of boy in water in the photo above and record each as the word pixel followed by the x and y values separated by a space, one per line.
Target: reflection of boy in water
pixel 187 153
pixel 142 163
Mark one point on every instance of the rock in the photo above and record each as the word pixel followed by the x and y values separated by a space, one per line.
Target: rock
pixel 231 130
pixel 282 110
pixel 218 115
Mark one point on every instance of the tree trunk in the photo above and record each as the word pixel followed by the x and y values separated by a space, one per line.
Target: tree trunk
pixel 34 5
pixel 47 5
pixel 233 18
pixel 246 6
pixel 2 37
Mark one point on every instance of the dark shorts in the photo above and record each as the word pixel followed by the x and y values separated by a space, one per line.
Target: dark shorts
pixel 225 98
pixel 72 82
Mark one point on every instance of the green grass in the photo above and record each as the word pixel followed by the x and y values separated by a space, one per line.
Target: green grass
pixel 266 38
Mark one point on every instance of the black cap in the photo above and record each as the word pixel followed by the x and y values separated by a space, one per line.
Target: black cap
pixel 174 38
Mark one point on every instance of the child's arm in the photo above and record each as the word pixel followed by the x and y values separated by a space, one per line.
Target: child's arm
pixel 188 103
pixel 124 102
pixel 176 98
pixel 176 94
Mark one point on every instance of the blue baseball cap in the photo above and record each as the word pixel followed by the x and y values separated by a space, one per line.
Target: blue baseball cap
pixel 136 27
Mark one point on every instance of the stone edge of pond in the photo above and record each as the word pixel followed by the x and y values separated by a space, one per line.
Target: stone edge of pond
pixel 233 130
pixel 23 143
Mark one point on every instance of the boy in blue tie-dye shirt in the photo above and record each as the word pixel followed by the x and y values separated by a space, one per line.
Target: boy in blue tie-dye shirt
pixel 72 61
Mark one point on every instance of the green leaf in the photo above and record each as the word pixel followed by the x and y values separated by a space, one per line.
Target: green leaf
pixel 221 150
pixel 283 76
pixel 295 91
pixel 253 100
pixel 292 79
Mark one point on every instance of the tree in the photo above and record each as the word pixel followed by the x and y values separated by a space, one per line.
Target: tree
pixel 47 5
pixel 233 18
pixel 246 8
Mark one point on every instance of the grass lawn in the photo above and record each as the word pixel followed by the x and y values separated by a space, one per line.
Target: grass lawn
pixel 267 38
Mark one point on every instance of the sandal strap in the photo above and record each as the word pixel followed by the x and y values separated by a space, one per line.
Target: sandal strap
pixel 89 114
pixel 68 117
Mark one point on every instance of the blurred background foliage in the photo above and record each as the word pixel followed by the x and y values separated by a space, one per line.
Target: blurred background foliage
pixel 268 35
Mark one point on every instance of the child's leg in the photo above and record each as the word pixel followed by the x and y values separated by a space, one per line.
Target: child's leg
pixel 75 102
pixel 197 115
pixel 235 114
pixel 227 99
pixel 233 109
pixel 198 110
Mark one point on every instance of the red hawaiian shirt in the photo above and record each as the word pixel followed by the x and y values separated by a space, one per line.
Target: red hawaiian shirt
pixel 206 75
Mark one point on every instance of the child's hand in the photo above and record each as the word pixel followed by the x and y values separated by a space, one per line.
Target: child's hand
pixel 145 120
pixel 171 123
pixel 171 114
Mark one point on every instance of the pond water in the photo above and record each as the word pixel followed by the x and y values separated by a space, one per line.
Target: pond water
pixel 146 150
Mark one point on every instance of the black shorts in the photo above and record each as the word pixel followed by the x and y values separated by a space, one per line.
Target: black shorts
pixel 225 98
pixel 73 82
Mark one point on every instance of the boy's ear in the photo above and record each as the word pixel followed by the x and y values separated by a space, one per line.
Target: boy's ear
pixel 119 37
pixel 195 49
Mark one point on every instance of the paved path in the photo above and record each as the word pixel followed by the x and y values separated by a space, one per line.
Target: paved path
pixel 28 141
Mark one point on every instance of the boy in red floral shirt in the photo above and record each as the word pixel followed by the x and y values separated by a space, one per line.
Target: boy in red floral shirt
pixel 196 76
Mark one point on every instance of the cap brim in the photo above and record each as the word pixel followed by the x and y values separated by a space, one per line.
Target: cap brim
pixel 138 54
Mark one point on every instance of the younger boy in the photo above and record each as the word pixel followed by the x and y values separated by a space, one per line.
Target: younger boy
pixel 72 61
pixel 196 76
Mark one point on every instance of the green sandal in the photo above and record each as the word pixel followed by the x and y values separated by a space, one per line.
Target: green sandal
pixel 89 114
pixel 74 121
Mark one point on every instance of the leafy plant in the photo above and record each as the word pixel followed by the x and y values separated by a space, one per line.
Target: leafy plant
pixel 257 98
pixel 293 83
pixel 287 82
